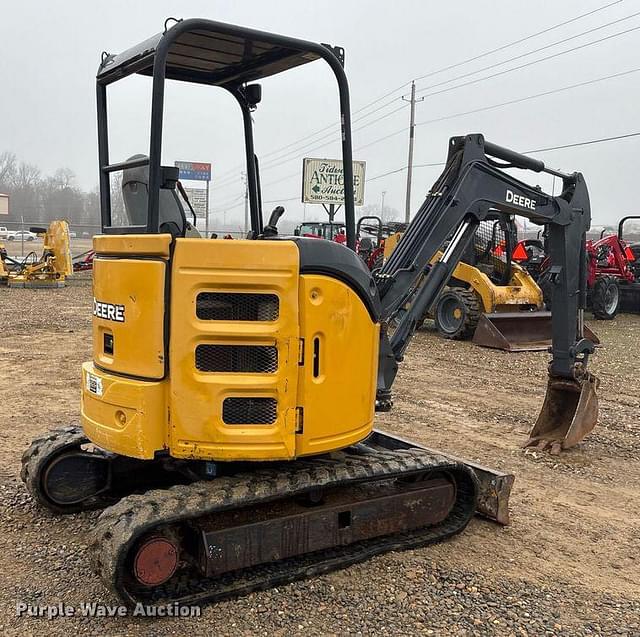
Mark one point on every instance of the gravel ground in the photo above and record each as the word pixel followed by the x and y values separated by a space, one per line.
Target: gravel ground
pixel 567 565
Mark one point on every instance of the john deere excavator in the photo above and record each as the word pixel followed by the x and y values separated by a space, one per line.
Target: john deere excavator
pixel 227 414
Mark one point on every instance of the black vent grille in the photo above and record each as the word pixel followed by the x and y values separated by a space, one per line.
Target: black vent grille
pixel 231 306
pixel 249 411
pixel 261 359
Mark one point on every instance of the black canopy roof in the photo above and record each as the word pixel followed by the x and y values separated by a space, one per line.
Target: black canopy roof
pixel 214 53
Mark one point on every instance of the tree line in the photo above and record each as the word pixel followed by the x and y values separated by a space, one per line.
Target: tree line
pixel 40 198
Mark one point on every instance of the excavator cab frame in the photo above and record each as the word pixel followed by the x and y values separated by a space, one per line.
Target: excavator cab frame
pixel 214 54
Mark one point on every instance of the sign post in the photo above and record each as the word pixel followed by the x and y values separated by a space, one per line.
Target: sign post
pixel 197 171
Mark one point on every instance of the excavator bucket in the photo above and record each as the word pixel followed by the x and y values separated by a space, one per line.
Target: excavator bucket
pixel 518 331
pixel 569 413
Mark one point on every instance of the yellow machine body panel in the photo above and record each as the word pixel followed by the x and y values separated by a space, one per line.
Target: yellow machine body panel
pixel 390 244
pixel 139 245
pixel 4 273
pixel 244 366
pixel 56 239
pixel 264 363
pixel 337 383
pixel 128 315
pixel 521 290
pixel 124 415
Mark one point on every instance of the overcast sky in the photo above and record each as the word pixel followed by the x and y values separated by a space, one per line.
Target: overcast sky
pixel 49 53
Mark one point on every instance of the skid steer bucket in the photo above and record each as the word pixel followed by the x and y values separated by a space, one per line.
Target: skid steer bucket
pixel 519 331
pixel 569 413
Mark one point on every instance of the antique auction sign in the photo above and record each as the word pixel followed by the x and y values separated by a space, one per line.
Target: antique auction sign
pixel 198 199
pixel 323 181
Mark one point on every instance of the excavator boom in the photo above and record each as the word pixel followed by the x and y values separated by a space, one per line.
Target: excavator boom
pixel 473 188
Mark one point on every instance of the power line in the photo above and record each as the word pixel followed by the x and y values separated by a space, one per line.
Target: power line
pixel 441 70
pixel 530 97
pixel 451 88
pixel 476 110
pixel 501 104
pixel 536 150
pixel 328 127
pixel 522 66
pixel 520 41
pixel 526 152
pixel 586 143
pixel 287 157
pixel 542 48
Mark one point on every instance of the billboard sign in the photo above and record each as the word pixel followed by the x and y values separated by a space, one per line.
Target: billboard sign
pixel 323 181
pixel 194 171
pixel 198 199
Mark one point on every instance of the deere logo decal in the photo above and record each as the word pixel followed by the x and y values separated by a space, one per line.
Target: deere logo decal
pixel 109 311
pixel 520 200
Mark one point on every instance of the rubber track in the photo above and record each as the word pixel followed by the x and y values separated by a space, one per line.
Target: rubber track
pixel 119 527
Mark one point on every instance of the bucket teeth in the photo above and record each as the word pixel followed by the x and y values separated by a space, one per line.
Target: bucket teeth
pixel 568 415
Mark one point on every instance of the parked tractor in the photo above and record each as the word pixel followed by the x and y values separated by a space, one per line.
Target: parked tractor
pixel 613 270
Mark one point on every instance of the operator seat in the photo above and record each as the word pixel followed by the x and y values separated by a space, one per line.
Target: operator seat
pixel 135 193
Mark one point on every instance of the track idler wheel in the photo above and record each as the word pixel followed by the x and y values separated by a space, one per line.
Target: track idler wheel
pixel 156 560
pixel 569 413
pixel 63 475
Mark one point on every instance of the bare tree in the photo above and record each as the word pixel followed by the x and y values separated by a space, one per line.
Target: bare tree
pixel 39 199
pixel 26 176
pixel 7 168
pixel 64 178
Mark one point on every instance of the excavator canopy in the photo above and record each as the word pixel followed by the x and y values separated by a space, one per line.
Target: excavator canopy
pixel 204 54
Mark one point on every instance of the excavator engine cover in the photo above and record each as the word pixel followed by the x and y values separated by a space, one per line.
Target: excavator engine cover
pixel 518 331
pixel 569 413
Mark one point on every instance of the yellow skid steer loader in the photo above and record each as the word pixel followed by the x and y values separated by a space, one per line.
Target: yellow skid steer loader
pixel 492 300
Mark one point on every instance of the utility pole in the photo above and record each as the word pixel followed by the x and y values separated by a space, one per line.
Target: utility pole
pixel 384 192
pixel 206 219
pixel 246 203
pixel 412 125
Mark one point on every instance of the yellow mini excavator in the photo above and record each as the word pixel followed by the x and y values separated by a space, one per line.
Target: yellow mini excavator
pixel 227 413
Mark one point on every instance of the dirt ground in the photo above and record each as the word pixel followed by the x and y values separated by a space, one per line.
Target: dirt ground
pixel 568 564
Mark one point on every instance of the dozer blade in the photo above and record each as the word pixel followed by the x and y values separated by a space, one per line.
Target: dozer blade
pixel 569 413
pixel 519 331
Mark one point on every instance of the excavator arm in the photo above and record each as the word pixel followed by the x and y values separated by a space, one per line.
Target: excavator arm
pixel 473 188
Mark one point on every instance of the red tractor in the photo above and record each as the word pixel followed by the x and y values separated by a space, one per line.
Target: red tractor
pixel 613 271
pixel 84 261
pixel 613 274
pixel 371 233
